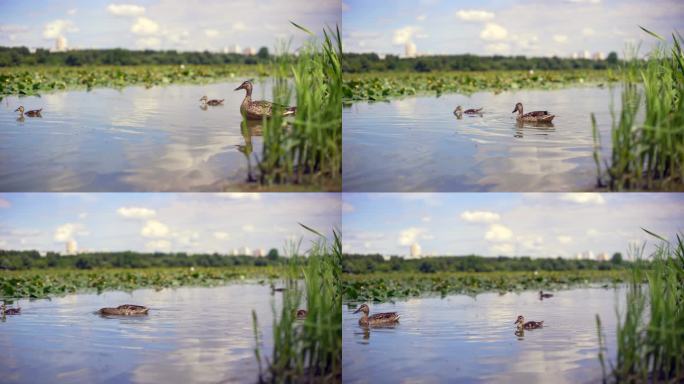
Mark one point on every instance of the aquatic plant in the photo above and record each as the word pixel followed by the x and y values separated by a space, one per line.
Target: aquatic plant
pixel 648 154
pixel 650 330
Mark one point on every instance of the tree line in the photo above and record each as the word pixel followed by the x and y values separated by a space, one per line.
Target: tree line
pixel 15 56
pixel 371 62
pixel 360 264
pixel 20 260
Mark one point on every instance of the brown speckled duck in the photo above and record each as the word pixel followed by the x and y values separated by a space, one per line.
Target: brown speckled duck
pixel 9 311
pixel 376 319
pixel 125 310
pixel 535 117
pixel 213 102
pixel 32 113
pixel 459 111
pixel 257 110
pixel 529 325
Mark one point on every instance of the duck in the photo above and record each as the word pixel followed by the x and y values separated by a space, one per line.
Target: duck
pixel 543 295
pixel 529 325
pixel 9 311
pixel 257 110
pixel 459 110
pixel 212 102
pixel 32 113
pixel 376 319
pixel 125 310
pixel 274 289
pixel 536 116
pixel 301 314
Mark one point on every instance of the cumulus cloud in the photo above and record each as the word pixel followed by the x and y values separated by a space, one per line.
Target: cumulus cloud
pixel 480 216
pixel 498 232
pixel 583 198
pixel 564 239
pixel 474 15
pixel 560 38
pixel 404 35
pixel 154 228
pixel 408 236
pixel 145 27
pixel 136 212
pixel 57 28
pixel 68 231
pixel 125 10
pixel 493 32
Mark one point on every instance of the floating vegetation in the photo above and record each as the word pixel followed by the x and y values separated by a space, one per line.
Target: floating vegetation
pixel 377 86
pixel 381 287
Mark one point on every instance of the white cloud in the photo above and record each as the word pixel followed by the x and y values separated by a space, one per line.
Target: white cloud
pixel 564 239
pixel 211 32
pixel 583 198
pixel 498 232
pixel 239 26
pixel 480 216
pixel 560 38
pixel 404 35
pixel 125 10
pixel 248 228
pixel 591 232
pixel 408 236
pixel 503 249
pixel 136 212
pixel 221 235
pixel 57 28
pixel 145 27
pixel 588 31
pixel 154 228
pixel 474 15
pixel 68 231
pixel 158 245
pixel 493 32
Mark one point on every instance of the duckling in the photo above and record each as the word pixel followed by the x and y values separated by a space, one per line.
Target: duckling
pixel 32 113
pixel 212 102
pixel 529 325
pixel 301 314
pixel 459 110
pixel 535 117
pixel 257 110
pixel 125 310
pixel 9 311
pixel 376 319
pixel 543 295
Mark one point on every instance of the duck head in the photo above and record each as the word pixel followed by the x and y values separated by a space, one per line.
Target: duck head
pixel 458 110
pixel 20 109
pixel 518 108
pixel 246 85
pixel 363 308
pixel 520 321
pixel 204 98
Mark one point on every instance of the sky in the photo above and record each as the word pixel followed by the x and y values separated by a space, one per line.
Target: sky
pixel 523 27
pixel 162 24
pixel 190 222
pixel 508 224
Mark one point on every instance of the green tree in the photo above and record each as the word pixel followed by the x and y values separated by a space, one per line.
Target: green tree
pixel 272 254
pixel 617 258
pixel 612 58
pixel 263 53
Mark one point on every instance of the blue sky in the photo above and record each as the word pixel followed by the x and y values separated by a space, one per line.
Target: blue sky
pixel 161 24
pixel 492 224
pixel 199 222
pixel 524 27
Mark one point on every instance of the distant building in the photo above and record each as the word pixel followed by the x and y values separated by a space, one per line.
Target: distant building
pixel 415 251
pixel 71 247
pixel 60 44
pixel 245 251
pixel 597 56
pixel 234 48
pixel 258 252
pixel 249 51
pixel 410 49
pixel 603 256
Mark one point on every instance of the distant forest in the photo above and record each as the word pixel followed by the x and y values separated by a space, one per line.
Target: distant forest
pixel 370 62
pixel 19 260
pixel 15 56
pixel 359 264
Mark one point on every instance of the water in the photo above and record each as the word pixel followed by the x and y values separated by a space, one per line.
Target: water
pixel 198 335
pixel 464 339
pixel 134 139
pixel 417 144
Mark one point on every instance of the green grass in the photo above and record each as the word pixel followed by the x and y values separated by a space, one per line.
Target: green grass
pixel 650 330
pixel 48 283
pixel 381 287
pixel 648 154
pixel 34 80
pixel 386 85
pixel 309 350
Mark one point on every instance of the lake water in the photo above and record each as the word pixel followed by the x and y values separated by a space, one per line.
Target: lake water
pixel 134 139
pixel 417 144
pixel 465 339
pixel 198 335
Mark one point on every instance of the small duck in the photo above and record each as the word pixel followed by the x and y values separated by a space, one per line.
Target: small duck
pixel 535 117
pixel 32 113
pixel 125 310
pixel 9 311
pixel 459 110
pixel 257 110
pixel 213 102
pixel 543 295
pixel 376 319
pixel 529 325
pixel 274 289
pixel 301 314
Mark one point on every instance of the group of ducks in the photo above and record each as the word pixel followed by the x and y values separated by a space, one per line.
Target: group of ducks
pixel 533 117
pixel 388 318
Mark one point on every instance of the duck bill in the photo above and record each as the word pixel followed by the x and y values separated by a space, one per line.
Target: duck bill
pixel 16 110
pixel 515 110
pixel 238 88
pixel 358 310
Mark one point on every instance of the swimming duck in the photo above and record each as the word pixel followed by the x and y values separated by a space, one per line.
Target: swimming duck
pixel 536 116
pixel 212 102
pixel 125 310
pixel 376 319
pixel 459 110
pixel 301 314
pixel 529 325
pixel 543 295
pixel 32 113
pixel 256 110
pixel 9 311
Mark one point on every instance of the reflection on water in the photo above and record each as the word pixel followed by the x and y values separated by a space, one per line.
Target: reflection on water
pixel 135 139
pixel 465 339
pixel 190 335
pixel 417 144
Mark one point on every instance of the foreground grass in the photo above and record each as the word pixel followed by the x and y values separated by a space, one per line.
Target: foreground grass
pixel 47 283
pixel 650 331
pixel 381 287
pixel 387 85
